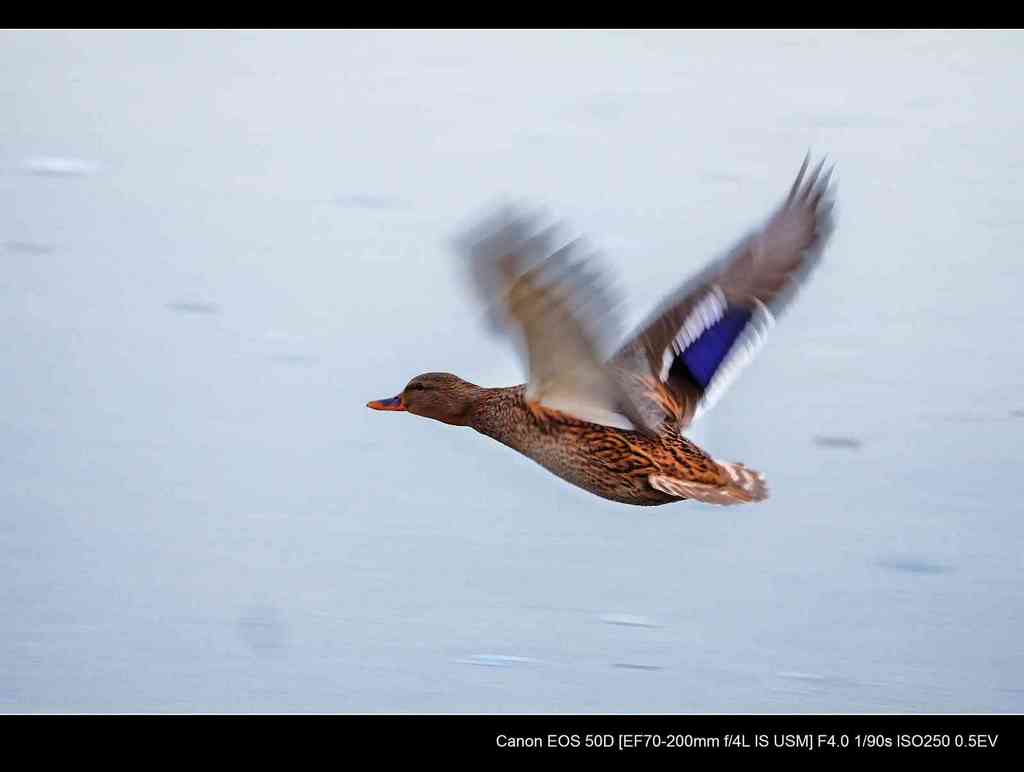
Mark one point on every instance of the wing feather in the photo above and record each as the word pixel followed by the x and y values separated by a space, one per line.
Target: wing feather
pixel 710 327
pixel 556 302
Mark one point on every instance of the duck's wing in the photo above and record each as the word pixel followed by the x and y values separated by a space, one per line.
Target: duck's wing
pixel 555 302
pixel 710 327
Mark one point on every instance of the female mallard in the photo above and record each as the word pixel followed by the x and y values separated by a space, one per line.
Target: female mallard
pixel 613 426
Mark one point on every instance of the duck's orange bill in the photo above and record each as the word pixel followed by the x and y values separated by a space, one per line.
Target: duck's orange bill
pixel 395 403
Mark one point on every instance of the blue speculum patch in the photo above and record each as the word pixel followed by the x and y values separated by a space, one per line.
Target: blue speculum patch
pixel 704 356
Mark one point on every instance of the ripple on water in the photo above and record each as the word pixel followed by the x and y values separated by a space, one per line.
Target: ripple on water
pixel 496 660
pixel 263 629
pixel 54 166
pixel 193 307
pixel 912 565
pixel 837 441
pixel 27 248
pixel 628 620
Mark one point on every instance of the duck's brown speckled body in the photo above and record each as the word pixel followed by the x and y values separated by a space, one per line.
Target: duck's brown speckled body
pixel 613 426
pixel 612 463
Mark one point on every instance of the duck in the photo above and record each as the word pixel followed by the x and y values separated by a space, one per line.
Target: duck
pixel 614 423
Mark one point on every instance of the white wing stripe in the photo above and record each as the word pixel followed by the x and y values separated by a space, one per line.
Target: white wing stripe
pixel 706 313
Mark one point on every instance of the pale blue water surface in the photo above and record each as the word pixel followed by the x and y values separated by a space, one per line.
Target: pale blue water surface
pixel 216 247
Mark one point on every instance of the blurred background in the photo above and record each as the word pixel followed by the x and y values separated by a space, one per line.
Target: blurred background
pixel 217 246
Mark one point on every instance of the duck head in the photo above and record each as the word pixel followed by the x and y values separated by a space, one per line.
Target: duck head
pixel 441 396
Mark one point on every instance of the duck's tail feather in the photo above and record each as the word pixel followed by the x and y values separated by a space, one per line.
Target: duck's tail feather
pixel 744 486
pixel 749 481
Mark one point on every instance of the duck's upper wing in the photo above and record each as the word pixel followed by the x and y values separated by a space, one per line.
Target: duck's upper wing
pixel 555 302
pixel 705 331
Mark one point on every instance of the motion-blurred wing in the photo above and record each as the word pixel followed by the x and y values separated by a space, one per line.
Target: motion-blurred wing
pixel 555 301
pixel 714 324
